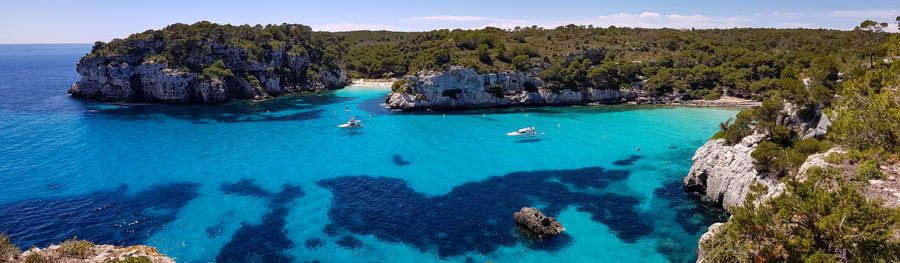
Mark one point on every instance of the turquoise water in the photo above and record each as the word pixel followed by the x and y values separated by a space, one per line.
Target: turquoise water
pixel 277 181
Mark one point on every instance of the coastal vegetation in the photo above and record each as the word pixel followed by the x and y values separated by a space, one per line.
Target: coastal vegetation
pixel 694 64
pixel 822 215
pixel 7 249
pixel 820 219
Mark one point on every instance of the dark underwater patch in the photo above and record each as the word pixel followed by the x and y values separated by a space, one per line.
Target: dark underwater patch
pixel 314 243
pixel 398 160
pixel 627 161
pixel 477 216
pixel 673 147
pixel 236 111
pixel 692 215
pixel 267 241
pixel 374 106
pixel 245 186
pixel 349 242
pixel 106 217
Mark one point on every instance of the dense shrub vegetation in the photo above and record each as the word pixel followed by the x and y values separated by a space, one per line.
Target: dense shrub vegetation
pixel 7 249
pixel 141 259
pixel 76 248
pixel 750 63
pixel 821 219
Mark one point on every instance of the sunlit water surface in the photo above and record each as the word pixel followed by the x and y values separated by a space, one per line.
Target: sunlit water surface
pixel 277 181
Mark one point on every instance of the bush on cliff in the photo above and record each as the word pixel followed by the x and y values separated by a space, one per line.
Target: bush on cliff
pixel 7 249
pixel 38 258
pixel 399 86
pixel 76 248
pixel 820 218
pixel 868 170
pixel 495 90
pixel 217 71
pixel 141 259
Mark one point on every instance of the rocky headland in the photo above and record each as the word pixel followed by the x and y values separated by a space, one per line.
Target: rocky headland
pixel 174 66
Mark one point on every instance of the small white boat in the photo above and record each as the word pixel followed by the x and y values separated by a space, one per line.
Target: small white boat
pixel 525 132
pixel 353 123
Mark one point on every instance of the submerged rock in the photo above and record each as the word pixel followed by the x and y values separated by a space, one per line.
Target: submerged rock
pixel 536 225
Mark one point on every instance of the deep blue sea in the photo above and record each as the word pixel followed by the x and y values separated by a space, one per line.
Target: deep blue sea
pixel 276 181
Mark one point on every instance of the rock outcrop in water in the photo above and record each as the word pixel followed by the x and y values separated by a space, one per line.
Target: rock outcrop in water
pixel 172 66
pixel 465 88
pixel 536 225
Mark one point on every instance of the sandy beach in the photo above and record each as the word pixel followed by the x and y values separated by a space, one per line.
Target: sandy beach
pixel 378 83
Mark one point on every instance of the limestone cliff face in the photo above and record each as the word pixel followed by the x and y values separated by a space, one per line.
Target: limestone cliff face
pixel 813 126
pixel 723 173
pixel 466 88
pixel 136 77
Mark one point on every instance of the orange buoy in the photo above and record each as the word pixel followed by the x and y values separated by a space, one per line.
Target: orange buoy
pixel 639 149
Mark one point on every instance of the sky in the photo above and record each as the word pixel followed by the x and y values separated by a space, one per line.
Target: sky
pixel 69 21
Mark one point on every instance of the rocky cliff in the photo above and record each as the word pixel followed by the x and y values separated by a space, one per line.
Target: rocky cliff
pixel 723 173
pixel 465 88
pixel 143 74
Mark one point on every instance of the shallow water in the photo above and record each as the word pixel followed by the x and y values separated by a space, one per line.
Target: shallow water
pixel 277 181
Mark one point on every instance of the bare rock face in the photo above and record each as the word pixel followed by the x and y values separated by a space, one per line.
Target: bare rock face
pixel 813 124
pixel 100 253
pixel 136 77
pixel 723 173
pixel 536 225
pixel 464 88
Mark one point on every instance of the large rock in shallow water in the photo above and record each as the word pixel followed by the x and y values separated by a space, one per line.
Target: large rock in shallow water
pixel 536 225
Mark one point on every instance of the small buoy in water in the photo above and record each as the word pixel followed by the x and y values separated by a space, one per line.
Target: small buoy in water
pixel 335 112
pixel 604 136
pixel 526 115
pixel 445 115
pixel 667 162
pixel 558 124
pixel 483 115
pixel 639 149
pixel 370 115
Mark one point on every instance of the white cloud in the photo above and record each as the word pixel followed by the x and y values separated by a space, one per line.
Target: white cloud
pixel 649 15
pixel 352 26
pixel 450 18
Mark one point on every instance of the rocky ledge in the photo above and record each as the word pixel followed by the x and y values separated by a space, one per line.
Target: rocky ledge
pixel 99 253
pixel 142 75
pixel 536 225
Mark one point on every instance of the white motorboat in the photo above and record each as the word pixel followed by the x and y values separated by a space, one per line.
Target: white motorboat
pixel 353 123
pixel 525 132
